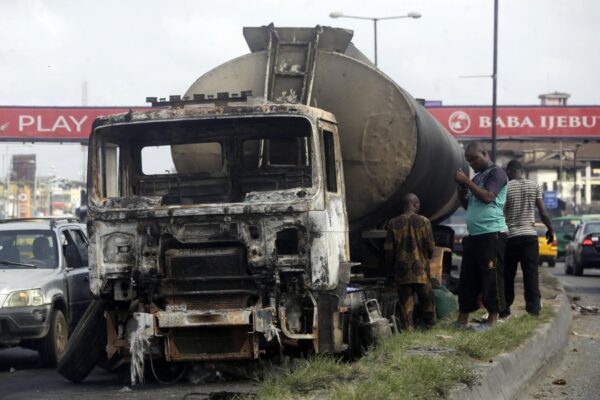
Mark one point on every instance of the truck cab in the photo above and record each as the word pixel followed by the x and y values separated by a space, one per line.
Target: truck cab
pixel 246 227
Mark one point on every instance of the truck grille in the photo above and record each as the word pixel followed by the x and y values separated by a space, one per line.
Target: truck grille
pixel 207 278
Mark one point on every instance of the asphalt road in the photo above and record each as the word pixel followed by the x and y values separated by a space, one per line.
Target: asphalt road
pixel 22 378
pixel 580 368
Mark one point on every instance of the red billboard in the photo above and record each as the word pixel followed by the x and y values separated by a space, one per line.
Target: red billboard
pixel 515 122
pixel 61 124
pixel 73 124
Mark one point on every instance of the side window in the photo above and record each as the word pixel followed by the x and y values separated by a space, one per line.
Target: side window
pixel 70 250
pixel 81 244
pixel 330 172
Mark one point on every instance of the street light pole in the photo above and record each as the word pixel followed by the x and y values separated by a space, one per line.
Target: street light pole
pixel 577 146
pixel 375 38
pixel 494 80
pixel 338 14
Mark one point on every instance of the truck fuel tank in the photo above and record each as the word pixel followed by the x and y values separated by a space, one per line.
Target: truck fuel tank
pixel 390 144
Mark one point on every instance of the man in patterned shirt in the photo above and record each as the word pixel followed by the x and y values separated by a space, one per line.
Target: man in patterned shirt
pixel 522 198
pixel 409 247
pixel 482 272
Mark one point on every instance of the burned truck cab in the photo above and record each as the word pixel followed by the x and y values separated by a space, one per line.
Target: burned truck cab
pixel 218 231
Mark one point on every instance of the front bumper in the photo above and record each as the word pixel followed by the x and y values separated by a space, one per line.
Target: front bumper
pixel 21 323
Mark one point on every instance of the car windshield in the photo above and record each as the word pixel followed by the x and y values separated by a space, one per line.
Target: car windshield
pixel 204 161
pixel 593 227
pixel 28 249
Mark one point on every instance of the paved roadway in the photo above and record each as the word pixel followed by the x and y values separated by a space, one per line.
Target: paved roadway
pixel 580 367
pixel 21 378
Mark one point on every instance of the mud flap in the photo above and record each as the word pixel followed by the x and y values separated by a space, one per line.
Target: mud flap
pixel 86 345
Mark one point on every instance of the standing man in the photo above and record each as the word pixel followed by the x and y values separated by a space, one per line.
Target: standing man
pixel 483 250
pixel 409 247
pixel 523 197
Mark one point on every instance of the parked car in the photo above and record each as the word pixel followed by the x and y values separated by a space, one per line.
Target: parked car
pixel 547 252
pixel 567 225
pixel 583 250
pixel 44 283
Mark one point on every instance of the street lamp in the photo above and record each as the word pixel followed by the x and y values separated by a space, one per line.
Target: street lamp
pixel 339 14
pixel 577 146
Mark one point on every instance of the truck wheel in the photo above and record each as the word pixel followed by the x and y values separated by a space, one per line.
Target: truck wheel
pixel 52 347
pixel 86 345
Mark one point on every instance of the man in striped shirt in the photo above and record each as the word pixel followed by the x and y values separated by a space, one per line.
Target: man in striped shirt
pixel 522 198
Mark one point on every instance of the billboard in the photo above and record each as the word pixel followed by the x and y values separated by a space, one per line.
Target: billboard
pixel 52 124
pixel 73 124
pixel 514 122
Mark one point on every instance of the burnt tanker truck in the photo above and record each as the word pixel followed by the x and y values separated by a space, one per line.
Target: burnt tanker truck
pixel 263 235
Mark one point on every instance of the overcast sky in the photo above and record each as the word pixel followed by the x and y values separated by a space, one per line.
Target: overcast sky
pixel 127 50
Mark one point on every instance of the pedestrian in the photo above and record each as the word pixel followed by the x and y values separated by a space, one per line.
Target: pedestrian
pixel 483 250
pixel 522 199
pixel 409 247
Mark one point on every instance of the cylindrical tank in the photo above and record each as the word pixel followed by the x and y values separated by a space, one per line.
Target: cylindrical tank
pixel 390 144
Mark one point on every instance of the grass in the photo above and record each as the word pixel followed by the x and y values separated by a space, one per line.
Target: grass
pixel 412 365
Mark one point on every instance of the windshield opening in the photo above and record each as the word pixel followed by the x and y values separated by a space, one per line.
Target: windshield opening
pixel 34 247
pixel 204 161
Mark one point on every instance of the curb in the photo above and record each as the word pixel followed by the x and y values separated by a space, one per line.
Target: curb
pixel 509 374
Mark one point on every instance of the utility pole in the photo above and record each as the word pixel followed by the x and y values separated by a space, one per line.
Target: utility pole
pixel 494 80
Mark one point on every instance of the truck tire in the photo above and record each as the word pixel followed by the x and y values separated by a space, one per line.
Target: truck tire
pixel 86 345
pixel 52 347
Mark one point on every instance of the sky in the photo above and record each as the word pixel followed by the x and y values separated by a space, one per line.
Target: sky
pixel 128 50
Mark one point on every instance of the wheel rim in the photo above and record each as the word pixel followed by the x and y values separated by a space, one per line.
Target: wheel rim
pixel 61 336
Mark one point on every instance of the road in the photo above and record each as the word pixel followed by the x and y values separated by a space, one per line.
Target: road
pixel 580 367
pixel 21 378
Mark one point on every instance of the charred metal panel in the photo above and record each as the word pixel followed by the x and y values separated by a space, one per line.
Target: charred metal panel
pixel 207 278
pixel 219 343
pixel 328 248
pixel 114 251
pixel 204 318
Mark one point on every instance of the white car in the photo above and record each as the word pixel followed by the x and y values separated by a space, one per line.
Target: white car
pixel 44 283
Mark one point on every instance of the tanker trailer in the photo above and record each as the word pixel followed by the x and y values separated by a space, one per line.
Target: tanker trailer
pixel 241 249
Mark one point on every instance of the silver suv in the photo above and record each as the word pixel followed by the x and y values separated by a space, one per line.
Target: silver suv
pixel 44 283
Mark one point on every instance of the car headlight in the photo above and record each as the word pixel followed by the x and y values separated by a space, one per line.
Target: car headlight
pixel 25 298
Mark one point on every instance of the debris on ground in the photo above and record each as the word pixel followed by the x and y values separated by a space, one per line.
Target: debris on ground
pixel 583 335
pixel 584 310
pixel 425 350
pixel 559 381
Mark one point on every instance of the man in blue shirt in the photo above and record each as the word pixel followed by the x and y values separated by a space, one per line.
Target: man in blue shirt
pixel 483 250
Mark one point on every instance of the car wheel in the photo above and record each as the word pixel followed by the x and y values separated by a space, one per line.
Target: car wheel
pixel 86 345
pixel 53 345
pixel 552 263
pixel 578 269
pixel 568 269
